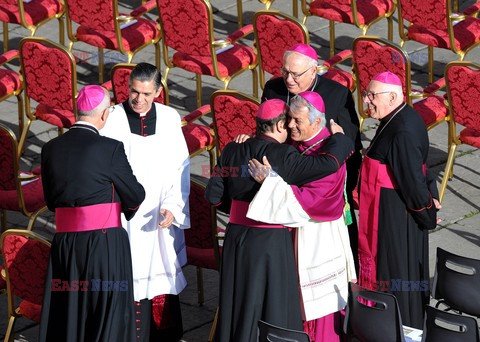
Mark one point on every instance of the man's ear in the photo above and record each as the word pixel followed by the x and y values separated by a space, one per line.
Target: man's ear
pixel 393 97
pixel 158 92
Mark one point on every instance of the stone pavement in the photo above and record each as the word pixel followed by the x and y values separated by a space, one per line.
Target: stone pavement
pixel 459 231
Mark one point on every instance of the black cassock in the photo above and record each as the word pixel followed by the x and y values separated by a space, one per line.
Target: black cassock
pixel 258 272
pixel 89 286
pixel 405 213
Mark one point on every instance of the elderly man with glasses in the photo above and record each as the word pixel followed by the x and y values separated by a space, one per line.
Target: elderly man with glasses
pixel 300 74
pixel 398 201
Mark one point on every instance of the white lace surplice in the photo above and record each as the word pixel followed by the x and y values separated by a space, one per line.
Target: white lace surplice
pixel 324 258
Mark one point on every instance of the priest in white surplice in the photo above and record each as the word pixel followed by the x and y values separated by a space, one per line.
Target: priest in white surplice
pixel 158 154
pixel 324 257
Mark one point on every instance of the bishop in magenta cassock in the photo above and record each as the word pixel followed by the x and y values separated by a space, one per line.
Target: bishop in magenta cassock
pixel 322 247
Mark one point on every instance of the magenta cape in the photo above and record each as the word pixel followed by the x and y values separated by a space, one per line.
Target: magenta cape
pixel 322 199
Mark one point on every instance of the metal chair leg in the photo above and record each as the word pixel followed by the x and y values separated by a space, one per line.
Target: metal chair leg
pixel 332 37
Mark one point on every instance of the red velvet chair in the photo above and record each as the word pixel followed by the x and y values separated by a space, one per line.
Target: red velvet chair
pixel 50 79
pixel 373 55
pixel 361 13
pixel 31 15
pixel 463 89
pixel 202 240
pixel 267 4
pixel 275 32
pixel 234 113
pixel 432 23
pixel 187 27
pixel 203 250
pixel 26 256
pixel 11 85
pixel 101 25
pixel 197 136
pixel 19 191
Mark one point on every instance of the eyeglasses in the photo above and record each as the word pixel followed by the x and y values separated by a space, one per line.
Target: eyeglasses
pixel 110 109
pixel 295 76
pixel 371 95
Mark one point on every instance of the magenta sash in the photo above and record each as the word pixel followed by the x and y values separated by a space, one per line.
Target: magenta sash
pixel 238 215
pixel 87 218
pixel 374 176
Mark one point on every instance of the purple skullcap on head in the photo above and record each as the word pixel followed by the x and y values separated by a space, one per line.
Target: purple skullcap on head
pixel 89 97
pixel 314 99
pixel 388 77
pixel 270 109
pixel 305 49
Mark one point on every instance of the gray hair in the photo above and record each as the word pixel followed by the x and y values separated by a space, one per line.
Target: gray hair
pixel 98 109
pixel 310 62
pixel 298 102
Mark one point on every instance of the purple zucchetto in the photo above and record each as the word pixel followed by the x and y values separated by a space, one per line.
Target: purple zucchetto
pixel 314 99
pixel 270 109
pixel 89 97
pixel 388 77
pixel 305 49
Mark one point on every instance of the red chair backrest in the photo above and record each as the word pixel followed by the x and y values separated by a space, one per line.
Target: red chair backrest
pixel 97 15
pixel 185 25
pixel 233 114
pixel 120 77
pixel 463 83
pixel 274 35
pixel 49 73
pixel 372 56
pixel 27 262
pixel 428 13
pixel 8 152
pixel 200 234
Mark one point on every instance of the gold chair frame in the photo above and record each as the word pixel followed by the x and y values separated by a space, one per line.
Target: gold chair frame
pixel 279 15
pixel 21 200
pixel 14 313
pixel 451 18
pixel 213 46
pixel 18 94
pixel 267 4
pixel 33 28
pixel 118 20
pixel 364 28
pixel 30 115
pixel 453 137
pixel 410 95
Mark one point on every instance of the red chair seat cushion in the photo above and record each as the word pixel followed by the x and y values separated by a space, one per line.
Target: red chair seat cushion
pixel 54 116
pixel 32 195
pixel 367 10
pixel 200 257
pixel 133 36
pixel 31 310
pixel 467 33
pixel 197 136
pixel 471 137
pixel 229 61
pixel 431 109
pixel 343 77
pixel 9 82
pixel 35 11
